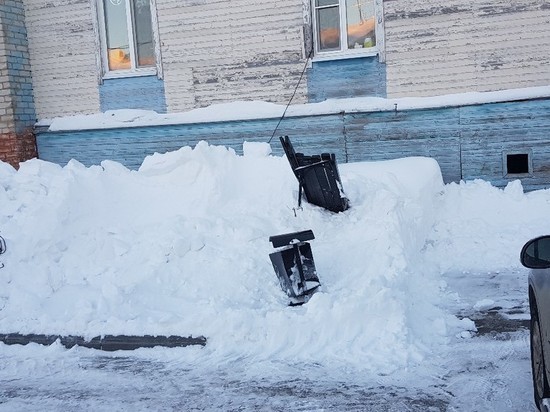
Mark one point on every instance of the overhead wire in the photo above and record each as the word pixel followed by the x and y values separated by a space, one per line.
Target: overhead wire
pixel 292 97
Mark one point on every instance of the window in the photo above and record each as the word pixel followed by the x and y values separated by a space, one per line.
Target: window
pixel 127 37
pixel 345 26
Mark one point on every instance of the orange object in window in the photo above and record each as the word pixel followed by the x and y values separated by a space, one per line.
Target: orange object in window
pixel 118 60
pixel 357 33
pixel 330 38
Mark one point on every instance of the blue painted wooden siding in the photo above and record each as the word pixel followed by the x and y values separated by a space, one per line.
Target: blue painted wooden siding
pixel 346 78
pixel 388 135
pixel 468 142
pixel 143 92
pixel 129 146
pixel 489 131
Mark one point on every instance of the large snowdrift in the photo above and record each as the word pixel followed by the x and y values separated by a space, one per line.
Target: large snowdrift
pixel 181 247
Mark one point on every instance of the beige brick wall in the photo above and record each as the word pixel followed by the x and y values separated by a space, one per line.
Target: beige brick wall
pixel 63 57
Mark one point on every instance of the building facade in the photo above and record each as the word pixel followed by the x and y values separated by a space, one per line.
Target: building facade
pixel 92 56
pixel 188 54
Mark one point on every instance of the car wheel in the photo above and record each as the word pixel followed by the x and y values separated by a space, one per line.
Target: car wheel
pixel 540 384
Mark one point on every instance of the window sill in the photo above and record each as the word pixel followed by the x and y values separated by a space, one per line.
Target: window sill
pixel 327 56
pixel 120 74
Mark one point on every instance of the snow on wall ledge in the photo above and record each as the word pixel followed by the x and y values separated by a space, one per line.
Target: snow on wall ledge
pixel 263 110
pixel 181 247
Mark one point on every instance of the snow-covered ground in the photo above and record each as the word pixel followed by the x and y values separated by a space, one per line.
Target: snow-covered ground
pixel 479 374
pixel 181 247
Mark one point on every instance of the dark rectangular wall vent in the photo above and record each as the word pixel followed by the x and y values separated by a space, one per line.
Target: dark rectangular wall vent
pixel 517 163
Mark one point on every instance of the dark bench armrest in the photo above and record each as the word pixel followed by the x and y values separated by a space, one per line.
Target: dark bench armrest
pixel 288 238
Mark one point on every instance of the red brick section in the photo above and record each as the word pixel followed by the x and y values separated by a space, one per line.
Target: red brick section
pixel 17 147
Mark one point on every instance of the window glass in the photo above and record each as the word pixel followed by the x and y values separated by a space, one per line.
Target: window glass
pixel 322 3
pixel 116 26
pixel 537 253
pixel 144 33
pixel 360 24
pixel 127 36
pixel 328 25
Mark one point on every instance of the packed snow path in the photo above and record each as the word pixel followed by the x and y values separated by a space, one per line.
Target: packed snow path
pixel 488 372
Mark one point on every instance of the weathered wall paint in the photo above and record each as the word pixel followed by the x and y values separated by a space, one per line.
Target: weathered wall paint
pixel 435 48
pixel 468 142
pixel 216 51
pixel 144 92
pixel 213 51
pixel 63 57
pixel 129 146
pixel 335 79
pixel 489 130
pixel 389 135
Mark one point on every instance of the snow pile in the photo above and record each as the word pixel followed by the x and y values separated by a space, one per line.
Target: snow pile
pixel 480 227
pixel 181 247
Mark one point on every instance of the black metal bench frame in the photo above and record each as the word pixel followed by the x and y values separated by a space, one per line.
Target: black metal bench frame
pixel 318 178
pixel 294 265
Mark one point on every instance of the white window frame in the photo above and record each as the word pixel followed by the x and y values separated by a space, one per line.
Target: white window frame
pixel 344 52
pixel 102 37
